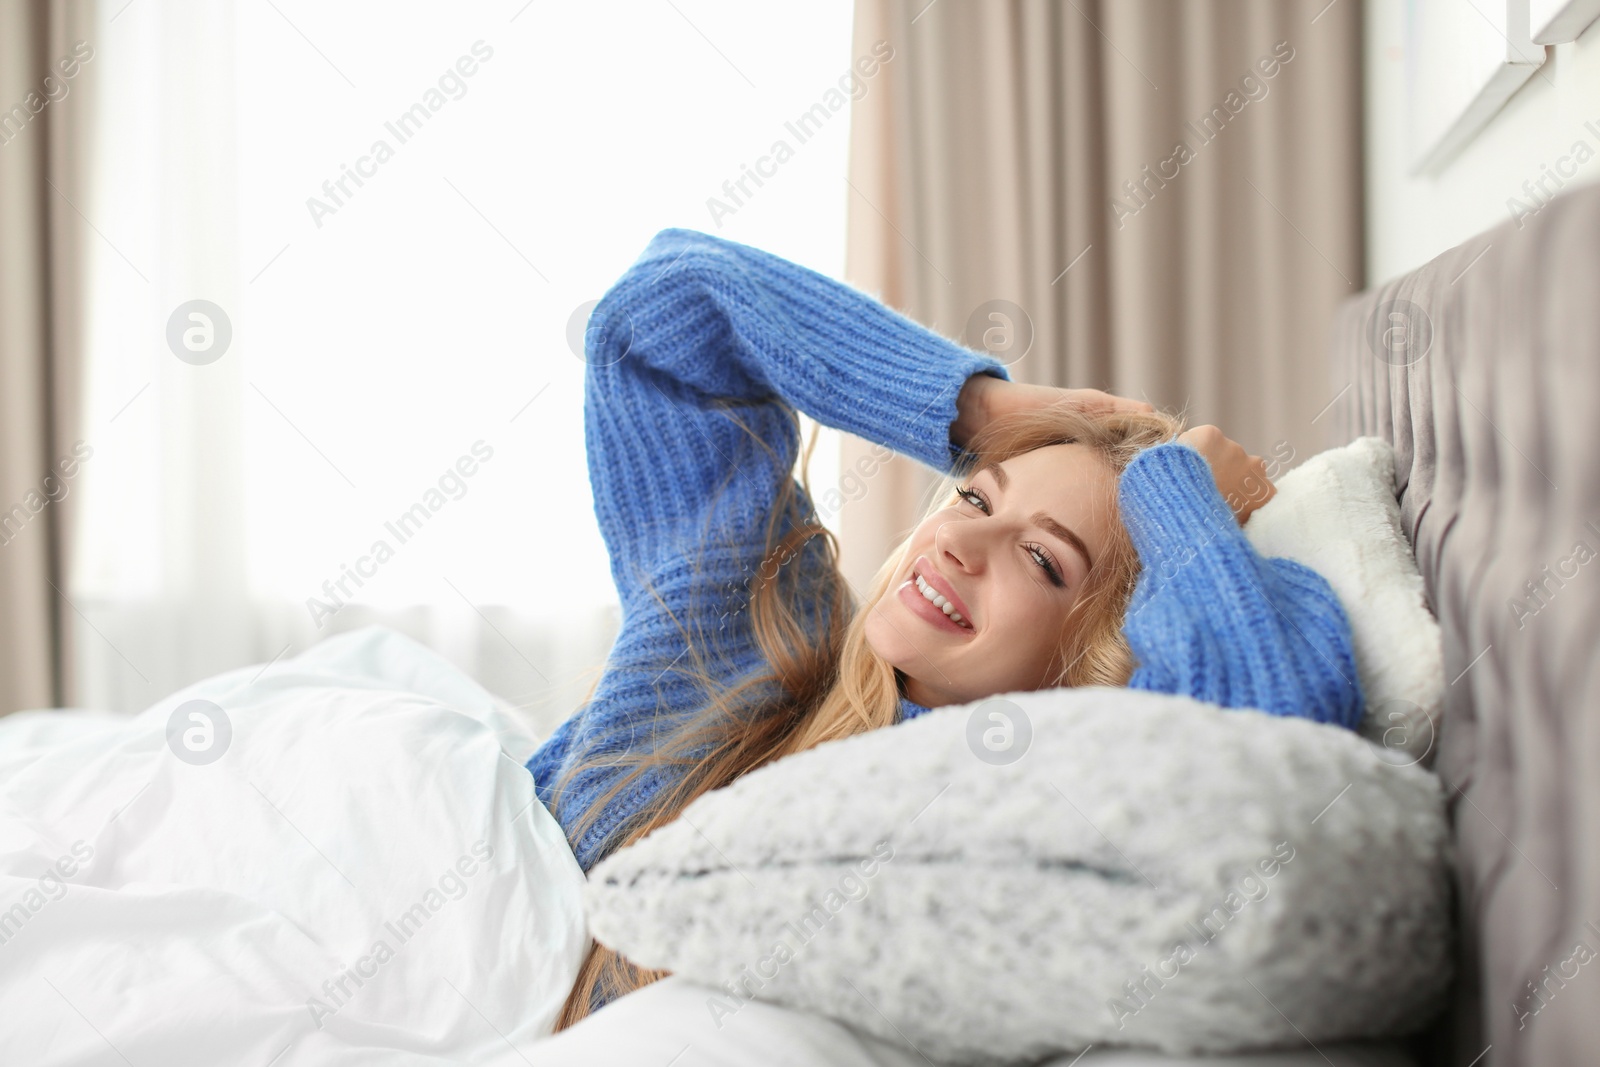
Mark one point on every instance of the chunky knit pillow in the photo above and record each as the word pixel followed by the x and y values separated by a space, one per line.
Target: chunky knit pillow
pixel 1035 873
pixel 1338 514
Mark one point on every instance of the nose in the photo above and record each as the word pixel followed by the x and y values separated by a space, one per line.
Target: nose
pixel 957 543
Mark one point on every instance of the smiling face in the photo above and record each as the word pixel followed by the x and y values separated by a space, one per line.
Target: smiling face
pixel 979 602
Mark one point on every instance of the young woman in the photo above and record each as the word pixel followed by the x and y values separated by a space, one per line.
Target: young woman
pixel 1085 542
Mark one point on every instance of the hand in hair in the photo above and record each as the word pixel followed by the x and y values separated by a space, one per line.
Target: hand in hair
pixel 1241 477
pixel 985 397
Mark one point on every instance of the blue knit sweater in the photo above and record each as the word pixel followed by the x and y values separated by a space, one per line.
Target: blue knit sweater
pixel 703 333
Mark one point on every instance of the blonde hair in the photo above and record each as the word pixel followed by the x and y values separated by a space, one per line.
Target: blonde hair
pixel 821 680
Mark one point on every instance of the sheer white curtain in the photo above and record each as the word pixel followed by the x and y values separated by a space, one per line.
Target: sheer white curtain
pixel 396 214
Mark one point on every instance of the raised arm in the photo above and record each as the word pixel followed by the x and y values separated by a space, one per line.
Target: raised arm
pixel 698 357
pixel 699 320
pixel 1212 619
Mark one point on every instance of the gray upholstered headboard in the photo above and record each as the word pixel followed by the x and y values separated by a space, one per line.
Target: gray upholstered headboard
pixel 1483 369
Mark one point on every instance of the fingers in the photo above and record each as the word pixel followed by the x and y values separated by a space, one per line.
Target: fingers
pixel 1258 489
pixel 1241 476
pixel 1123 403
pixel 1100 400
pixel 1206 440
pixel 1144 407
pixel 1091 400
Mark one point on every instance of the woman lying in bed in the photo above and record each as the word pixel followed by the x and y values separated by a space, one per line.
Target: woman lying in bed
pixel 1083 542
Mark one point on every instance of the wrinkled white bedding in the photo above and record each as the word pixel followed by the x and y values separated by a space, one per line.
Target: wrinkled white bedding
pixel 667 1025
pixel 174 913
pixel 363 876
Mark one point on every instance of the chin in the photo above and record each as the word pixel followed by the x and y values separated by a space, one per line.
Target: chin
pixel 886 644
pixel 887 639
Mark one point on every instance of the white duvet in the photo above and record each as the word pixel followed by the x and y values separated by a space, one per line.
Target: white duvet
pixel 362 876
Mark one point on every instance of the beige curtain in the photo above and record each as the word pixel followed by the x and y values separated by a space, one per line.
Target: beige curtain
pixel 44 117
pixel 1015 173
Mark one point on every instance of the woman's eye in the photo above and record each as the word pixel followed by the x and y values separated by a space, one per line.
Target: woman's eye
pixel 968 495
pixel 1045 564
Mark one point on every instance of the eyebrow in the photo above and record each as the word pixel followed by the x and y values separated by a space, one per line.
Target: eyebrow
pixel 1044 521
pixel 1065 534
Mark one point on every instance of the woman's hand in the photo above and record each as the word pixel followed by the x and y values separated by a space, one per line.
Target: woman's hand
pixel 986 397
pixel 1241 477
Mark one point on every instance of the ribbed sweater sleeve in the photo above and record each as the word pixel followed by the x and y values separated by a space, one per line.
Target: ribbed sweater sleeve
pixel 697 358
pixel 1212 619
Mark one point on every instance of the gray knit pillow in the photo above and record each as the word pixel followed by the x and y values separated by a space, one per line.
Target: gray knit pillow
pixel 1035 873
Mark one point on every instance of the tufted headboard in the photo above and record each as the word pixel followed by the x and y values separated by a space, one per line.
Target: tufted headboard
pixel 1483 369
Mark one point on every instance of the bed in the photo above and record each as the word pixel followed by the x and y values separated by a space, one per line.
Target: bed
pixel 341 862
pixel 1477 368
pixel 1486 385
pixel 1480 369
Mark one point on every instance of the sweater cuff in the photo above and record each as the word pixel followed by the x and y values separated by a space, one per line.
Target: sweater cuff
pixel 1172 506
pixel 954 455
pixel 914 414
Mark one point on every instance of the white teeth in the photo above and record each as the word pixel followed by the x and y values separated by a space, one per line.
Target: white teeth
pixel 938 601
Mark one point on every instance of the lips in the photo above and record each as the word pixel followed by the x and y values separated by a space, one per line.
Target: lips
pixel 924 569
pixel 919 604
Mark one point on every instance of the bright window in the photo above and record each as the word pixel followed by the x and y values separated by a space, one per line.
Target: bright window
pixel 399 209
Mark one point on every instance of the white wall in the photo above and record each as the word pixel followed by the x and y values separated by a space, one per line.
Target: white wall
pixel 1412 219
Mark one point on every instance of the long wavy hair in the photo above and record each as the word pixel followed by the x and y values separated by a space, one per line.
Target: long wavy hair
pixel 821 680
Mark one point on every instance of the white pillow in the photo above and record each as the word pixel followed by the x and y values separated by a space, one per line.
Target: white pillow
pixel 1338 514
pixel 665 1024
pixel 985 902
